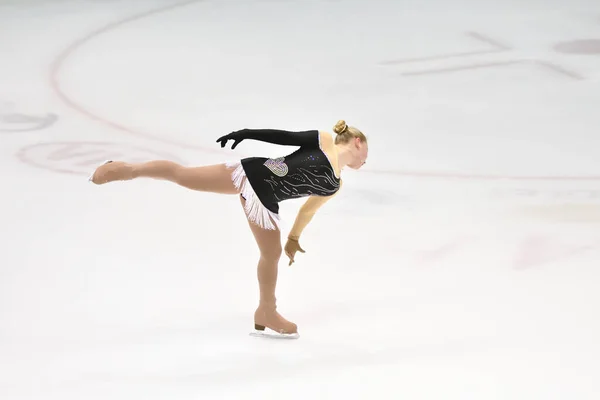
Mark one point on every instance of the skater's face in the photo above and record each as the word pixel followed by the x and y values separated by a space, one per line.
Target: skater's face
pixel 360 152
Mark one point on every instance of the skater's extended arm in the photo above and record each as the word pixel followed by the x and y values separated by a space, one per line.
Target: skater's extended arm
pixel 275 136
pixel 305 215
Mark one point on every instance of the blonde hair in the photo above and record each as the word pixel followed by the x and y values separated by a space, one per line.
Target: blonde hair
pixel 346 133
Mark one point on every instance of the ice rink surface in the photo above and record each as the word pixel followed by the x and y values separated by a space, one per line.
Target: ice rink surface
pixel 462 262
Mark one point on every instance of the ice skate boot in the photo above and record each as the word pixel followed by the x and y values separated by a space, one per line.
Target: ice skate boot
pixel 268 318
pixel 111 171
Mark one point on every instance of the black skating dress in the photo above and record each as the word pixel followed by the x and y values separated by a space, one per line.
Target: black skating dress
pixel 265 182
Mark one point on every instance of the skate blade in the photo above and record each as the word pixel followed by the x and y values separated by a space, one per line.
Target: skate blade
pixel 274 335
pixel 93 172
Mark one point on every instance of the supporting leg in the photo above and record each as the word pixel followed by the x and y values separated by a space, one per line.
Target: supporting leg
pixel 266 315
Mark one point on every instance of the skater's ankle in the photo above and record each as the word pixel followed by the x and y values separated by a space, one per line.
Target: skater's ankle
pixel 267 306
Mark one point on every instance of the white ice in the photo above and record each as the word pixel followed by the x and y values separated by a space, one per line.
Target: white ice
pixel 462 262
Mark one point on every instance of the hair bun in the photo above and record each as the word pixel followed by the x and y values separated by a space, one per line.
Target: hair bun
pixel 340 127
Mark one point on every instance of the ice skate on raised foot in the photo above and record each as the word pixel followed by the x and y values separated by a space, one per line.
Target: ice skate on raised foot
pixel 273 321
pixel 111 171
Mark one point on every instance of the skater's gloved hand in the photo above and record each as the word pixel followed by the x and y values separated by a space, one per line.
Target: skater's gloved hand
pixel 236 136
pixel 291 247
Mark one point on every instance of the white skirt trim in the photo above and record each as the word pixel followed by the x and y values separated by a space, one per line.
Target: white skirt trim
pixel 255 210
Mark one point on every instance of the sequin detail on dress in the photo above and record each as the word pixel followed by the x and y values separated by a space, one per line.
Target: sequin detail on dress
pixel 277 166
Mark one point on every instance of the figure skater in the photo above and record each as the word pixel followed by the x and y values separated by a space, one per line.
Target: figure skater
pixel 312 171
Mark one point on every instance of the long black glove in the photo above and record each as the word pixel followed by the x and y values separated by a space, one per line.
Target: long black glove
pixel 275 136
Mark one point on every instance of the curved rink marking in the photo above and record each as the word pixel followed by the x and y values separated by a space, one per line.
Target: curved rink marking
pixel 80 108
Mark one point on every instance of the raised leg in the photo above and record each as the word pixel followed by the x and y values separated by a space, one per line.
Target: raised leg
pixel 210 178
pixel 266 315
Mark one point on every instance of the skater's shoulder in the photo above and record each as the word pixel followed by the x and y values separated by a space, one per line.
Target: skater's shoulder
pixel 325 138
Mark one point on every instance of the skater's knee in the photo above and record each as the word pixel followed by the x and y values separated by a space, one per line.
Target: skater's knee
pixel 178 172
pixel 272 253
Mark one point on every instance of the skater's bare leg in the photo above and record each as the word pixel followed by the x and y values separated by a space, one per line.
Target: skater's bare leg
pixel 266 315
pixel 210 178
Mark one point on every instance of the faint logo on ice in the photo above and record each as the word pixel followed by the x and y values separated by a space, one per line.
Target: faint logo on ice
pixel 496 48
pixel 579 47
pixel 14 121
pixel 81 157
